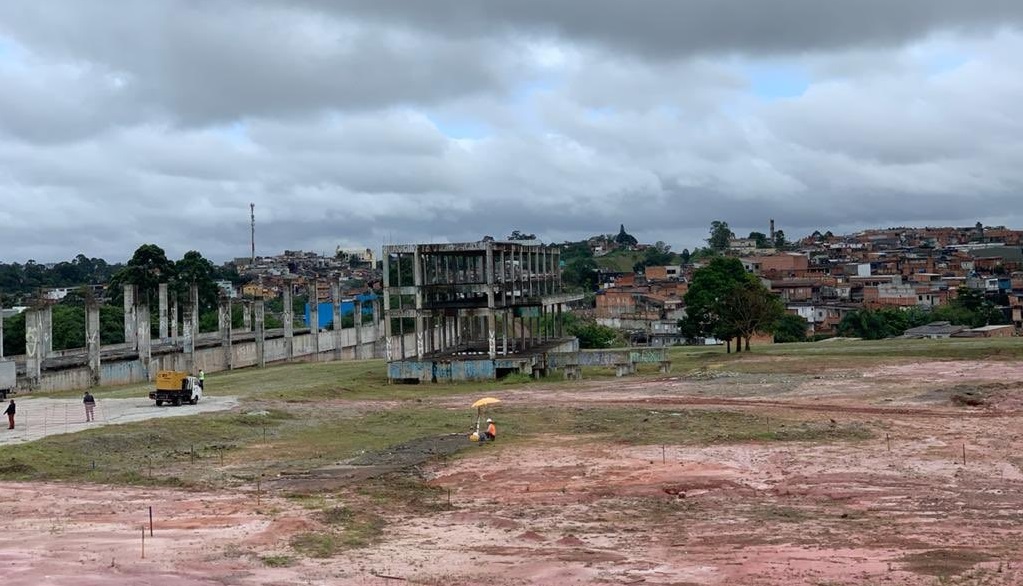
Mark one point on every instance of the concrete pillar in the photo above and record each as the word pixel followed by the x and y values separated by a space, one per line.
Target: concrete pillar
pixel 92 341
pixel 131 325
pixel 188 339
pixel 163 312
pixel 224 321
pixel 46 332
pixel 1 330
pixel 335 299
pixel 417 282
pixel 33 347
pixel 144 336
pixel 357 316
pixel 193 296
pixel 289 323
pixel 174 322
pixel 259 313
pixel 314 319
pixel 246 316
pixel 488 268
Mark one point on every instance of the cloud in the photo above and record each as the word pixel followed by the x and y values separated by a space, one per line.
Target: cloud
pixel 360 123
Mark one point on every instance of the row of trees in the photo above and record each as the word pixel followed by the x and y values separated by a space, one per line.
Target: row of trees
pixel 721 236
pixel 970 308
pixel 18 281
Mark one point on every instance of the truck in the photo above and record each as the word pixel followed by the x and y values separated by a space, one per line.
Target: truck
pixel 8 377
pixel 176 387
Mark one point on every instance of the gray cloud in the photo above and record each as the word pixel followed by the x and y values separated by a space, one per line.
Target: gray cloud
pixel 359 123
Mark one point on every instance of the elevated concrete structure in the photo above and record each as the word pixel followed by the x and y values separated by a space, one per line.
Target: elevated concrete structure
pixel 477 311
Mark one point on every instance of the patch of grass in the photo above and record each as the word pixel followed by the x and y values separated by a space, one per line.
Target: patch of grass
pixel 405 492
pixel 944 562
pixel 277 561
pixel 316 544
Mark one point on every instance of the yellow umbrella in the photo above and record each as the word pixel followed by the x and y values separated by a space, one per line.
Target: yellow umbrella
pixel 479 405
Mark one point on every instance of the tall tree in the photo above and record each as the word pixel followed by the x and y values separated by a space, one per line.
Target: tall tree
pixel 720 235
pixel 779 239
pixel 517 235
pixel 147 268
pixel 709 293
pixel 750 308
pixel 193 268
pixel 685 256
pixel 760 238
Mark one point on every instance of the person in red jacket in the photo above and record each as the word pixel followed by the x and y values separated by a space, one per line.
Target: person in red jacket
pixel 10 414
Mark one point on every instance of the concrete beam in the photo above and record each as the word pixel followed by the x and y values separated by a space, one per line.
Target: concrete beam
pixel 46 332
pixel 33 347
pixel 131 325
pixel 144 336
pixel 260 318
pixel 335 298
pixel 93 342
pixel 163 312
pixel 289 323
pixel 224 321
pixel 314 318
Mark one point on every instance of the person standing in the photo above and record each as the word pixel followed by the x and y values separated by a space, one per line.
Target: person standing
pixel 10 414
pixel 90 406
pixel 202 380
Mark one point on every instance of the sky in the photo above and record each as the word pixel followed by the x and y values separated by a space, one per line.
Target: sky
pixel 358 123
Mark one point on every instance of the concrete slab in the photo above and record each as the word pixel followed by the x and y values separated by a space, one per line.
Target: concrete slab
pixel 40 417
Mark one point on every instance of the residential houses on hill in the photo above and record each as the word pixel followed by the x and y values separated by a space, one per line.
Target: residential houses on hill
pixel 823 278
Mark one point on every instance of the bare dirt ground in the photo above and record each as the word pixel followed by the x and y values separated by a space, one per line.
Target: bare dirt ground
pixel 39 417
pixel 901 508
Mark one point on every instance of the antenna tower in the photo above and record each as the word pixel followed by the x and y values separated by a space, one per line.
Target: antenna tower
pixel 252 214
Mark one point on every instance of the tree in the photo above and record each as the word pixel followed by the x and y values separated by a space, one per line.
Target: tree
pixel 790 328
pixel 685 256
pixel 710 292
pixel 580 274
pixel 720 235
pixel 750 308
pixel 194 269
pixel 658 255
pixel 760 238
pixel 970 308
pixel 624 238
pixel 878 324
pixel 516 235
pixel 147 268
pixel 779 239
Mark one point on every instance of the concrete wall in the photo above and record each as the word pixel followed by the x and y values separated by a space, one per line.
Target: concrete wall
pixel 213 358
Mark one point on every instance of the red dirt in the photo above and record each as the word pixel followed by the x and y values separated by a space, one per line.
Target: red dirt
pixel 569 511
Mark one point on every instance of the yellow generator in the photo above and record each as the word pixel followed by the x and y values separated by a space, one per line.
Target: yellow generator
pixel 176 387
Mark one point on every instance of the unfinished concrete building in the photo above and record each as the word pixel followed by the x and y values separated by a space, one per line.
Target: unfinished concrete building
pixel 478 311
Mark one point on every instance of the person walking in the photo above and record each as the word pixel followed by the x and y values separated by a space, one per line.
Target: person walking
pixel 90 406
pixel 10 414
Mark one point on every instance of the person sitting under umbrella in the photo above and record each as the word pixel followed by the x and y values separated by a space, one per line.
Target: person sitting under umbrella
pixel 491 432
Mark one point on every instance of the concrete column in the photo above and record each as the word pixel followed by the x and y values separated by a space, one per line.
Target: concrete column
pixel 1 330
pixel 488 268
pixel 92 341
pixel 46 332
pixel 174 322
pixel 417 282
pixel 163 312
pixel 188 336
pixel 335 299
pixel 314 319
pixel 224 321
pixel 144 336
pixel 246 316
pixel 259 311
pixel 387 306
pixel 193 296
pixel 33 347
pixel 289 323
pixel 131 325
pixel 357 316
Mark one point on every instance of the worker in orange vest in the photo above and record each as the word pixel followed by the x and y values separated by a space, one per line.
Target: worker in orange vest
pixel 491 433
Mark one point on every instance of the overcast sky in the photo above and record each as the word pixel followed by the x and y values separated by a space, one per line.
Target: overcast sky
pixel 363 122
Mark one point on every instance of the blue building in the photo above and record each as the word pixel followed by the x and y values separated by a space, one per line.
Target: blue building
pixel 326 310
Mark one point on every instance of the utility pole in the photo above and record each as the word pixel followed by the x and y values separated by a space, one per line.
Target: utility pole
pixel 252 213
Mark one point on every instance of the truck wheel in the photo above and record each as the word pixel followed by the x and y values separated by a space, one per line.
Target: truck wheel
pixel 159 403
pixel 193 400
pixel 177 401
